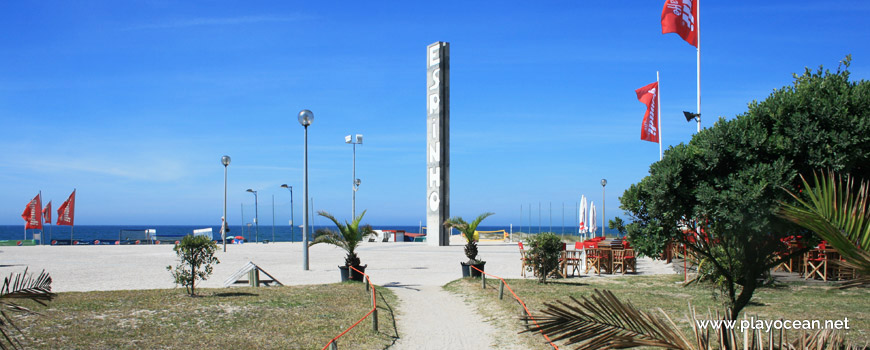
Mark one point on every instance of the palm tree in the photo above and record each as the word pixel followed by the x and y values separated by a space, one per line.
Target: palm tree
pixel 837 211
pixel 348 237
pixel 468 229
pixel 20 286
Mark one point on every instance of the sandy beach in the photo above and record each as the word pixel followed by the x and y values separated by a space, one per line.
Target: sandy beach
pixel 414 271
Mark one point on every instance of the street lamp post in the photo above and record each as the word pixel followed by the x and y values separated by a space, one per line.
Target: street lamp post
pixel 356 182
pixel 603 218
pixel 305 118
pixel 225 160
pixel 291 210
pixel 256 215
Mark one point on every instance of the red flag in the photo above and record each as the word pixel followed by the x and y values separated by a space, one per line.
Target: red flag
pixel 681 17
pixel 46 213
pixel 66 211
pixel 647 95
pixel 33 213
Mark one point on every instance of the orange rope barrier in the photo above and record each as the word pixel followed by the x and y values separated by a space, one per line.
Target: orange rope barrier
pixel 374 307
pixel 521 303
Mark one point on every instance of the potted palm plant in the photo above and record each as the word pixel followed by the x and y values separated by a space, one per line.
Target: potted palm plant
pixel 348 237
pixel 469 232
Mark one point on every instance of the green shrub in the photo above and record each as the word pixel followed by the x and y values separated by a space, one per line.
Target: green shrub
pixel 196 255
pixel 544 250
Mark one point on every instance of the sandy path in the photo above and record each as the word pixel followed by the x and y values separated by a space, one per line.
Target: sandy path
pixel 432 318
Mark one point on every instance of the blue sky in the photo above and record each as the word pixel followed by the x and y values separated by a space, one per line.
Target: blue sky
pixel 134 102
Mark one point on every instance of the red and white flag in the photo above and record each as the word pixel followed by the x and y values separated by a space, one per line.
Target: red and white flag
pixel 647 95
pixel 66 211
pixel 681 17
pixel 33 213
pixel 46 213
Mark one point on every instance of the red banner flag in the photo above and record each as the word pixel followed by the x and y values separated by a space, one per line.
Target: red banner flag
pixel 681 17
pixel 46 213
pixel 66 211
pixel 649 130
pixel 33 213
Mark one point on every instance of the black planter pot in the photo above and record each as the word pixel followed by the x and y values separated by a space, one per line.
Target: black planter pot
pixel 468 271
pixel 348 274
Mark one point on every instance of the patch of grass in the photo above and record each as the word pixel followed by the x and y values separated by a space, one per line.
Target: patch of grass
pixel 290 317
pixel 793 301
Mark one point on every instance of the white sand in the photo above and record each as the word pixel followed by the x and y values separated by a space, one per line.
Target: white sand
pixel 429 316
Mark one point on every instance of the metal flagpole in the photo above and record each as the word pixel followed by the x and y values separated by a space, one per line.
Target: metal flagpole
pixel 41 221
pixel 243 218
pixel 658 109
pixel 73 226
pixel 698 28
pixel 273 218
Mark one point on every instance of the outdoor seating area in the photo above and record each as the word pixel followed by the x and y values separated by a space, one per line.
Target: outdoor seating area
pixel 821 262
pixel 594 256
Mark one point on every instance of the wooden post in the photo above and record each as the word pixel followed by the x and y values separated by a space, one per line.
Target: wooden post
pixel 254 278
pixel 333 346
pixel 367 283
pixel 501 291
pixel 482 280
pixel 374 315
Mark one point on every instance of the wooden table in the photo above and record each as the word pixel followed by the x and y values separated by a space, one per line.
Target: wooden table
pixel 606 259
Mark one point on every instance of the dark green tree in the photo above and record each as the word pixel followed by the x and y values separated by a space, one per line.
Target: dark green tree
pixel 196 257
pixel 726 184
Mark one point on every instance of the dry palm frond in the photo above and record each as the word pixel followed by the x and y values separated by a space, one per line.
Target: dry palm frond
pixel 20 286
pixel 605 322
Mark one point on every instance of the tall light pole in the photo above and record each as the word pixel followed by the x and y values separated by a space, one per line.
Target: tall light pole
pixel 291 210
pixel 256 214
pixel 356 182
pixel 305 118
pixel 225 160
pixel 603 218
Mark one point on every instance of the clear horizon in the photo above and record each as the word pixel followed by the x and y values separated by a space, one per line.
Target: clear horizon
pixel 133 104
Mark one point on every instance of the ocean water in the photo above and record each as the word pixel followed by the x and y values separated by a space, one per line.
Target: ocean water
pixel 107 233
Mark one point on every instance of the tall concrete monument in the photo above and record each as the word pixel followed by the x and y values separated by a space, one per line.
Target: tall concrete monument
pixel 437 143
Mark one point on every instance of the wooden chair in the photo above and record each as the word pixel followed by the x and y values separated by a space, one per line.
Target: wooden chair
pixel 844 272
pixel 789 245
pixel 573 259
pixel 784 265
pixel 623 260
pixel 526 261
pixel 816 262
pixel 562 269
pixel 593 257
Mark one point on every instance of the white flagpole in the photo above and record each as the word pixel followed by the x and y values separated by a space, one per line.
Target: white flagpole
pixel 72 228
pixel 658 109
pixel 698 28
